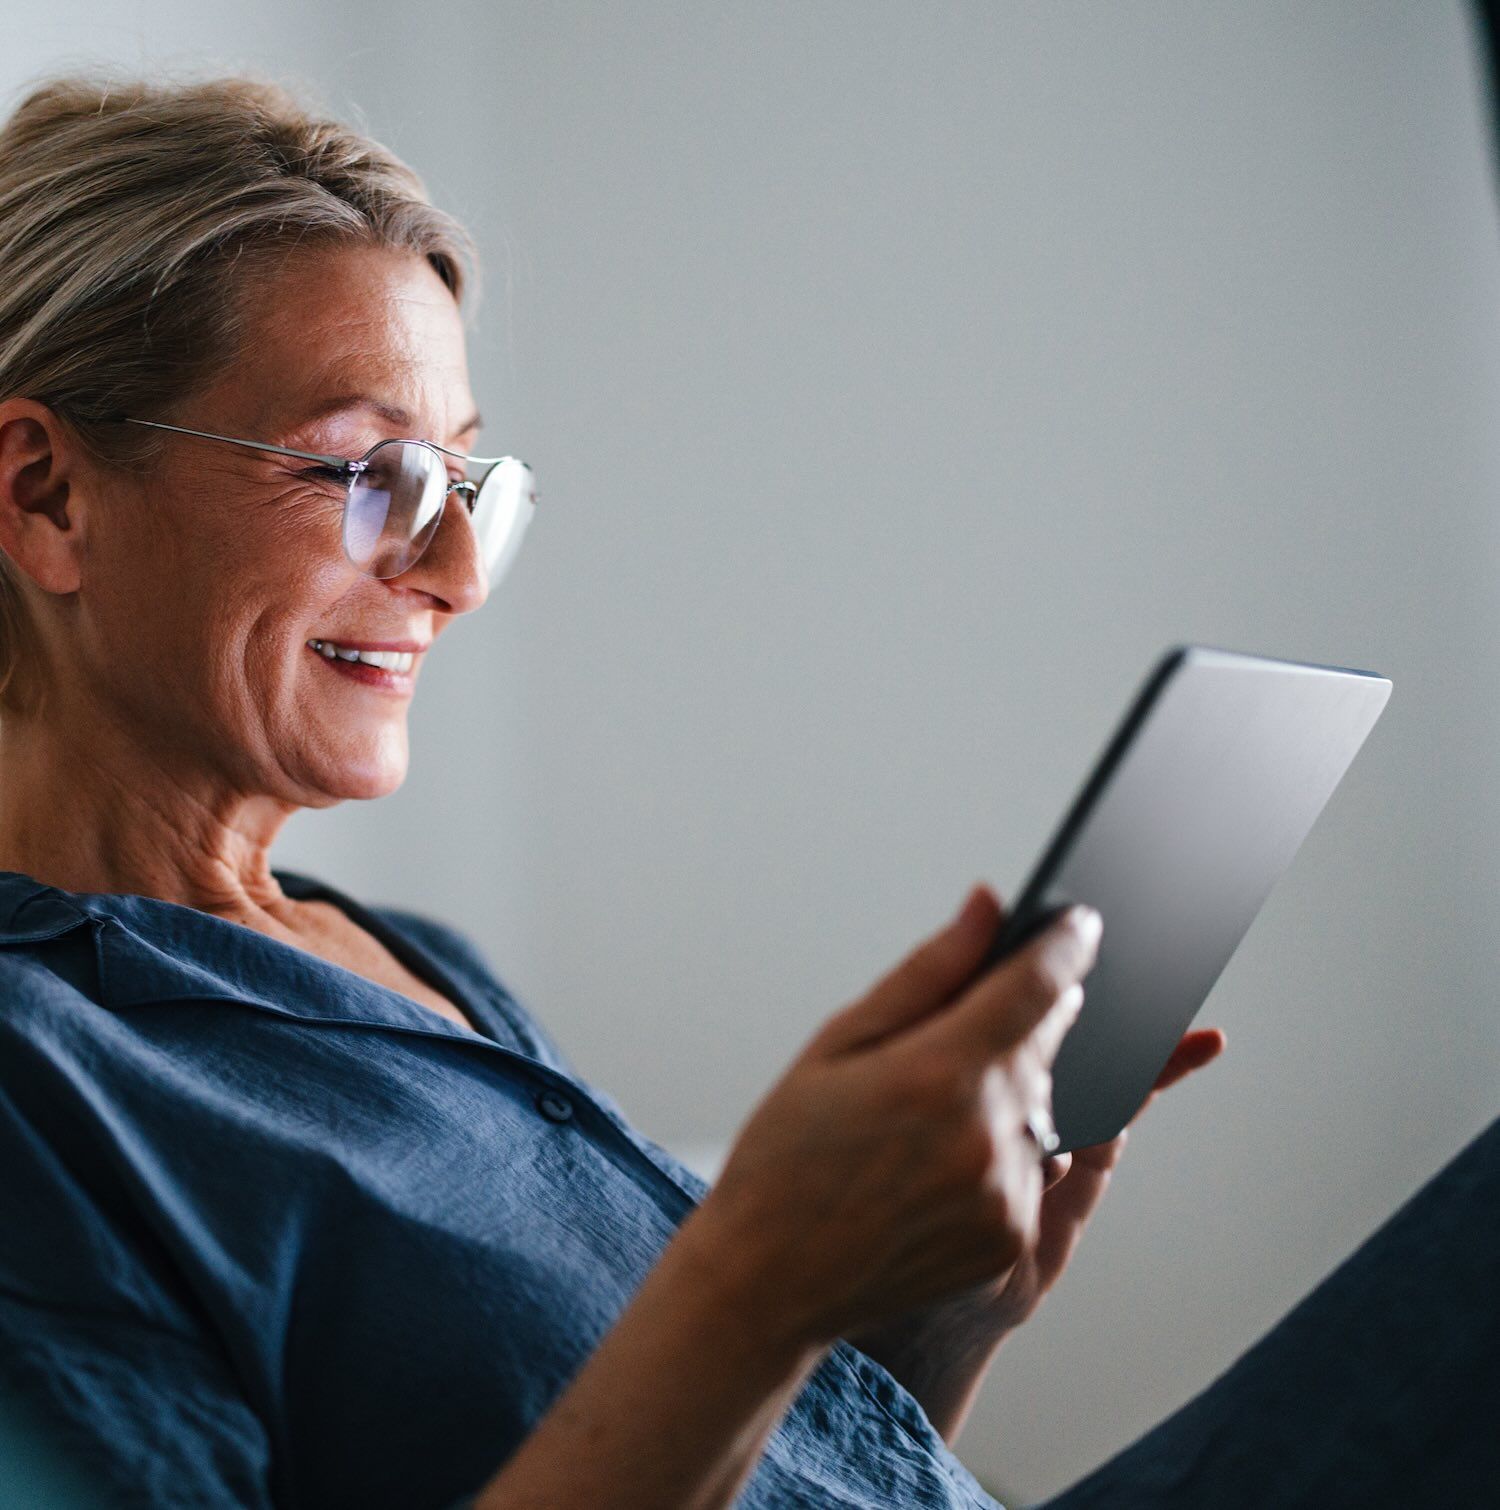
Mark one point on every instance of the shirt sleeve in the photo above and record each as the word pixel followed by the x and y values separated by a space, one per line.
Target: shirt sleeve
pixel 101 1349
pixel 146 1417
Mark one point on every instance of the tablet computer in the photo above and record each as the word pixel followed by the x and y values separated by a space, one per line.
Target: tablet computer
pixel 1193 811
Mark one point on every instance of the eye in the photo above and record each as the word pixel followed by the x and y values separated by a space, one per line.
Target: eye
pixel 327 474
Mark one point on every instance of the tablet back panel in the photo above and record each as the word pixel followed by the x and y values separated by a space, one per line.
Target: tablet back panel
pixel 1198 805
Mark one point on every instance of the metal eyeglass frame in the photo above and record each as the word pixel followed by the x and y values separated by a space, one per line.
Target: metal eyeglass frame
pixel 352 468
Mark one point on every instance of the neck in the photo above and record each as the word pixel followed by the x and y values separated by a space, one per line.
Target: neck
pixel 92 812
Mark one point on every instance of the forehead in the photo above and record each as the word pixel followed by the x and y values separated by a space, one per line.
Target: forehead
pixel 337 403
pixel 363 331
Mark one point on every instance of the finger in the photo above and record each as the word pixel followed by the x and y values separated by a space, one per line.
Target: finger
pixel 927 979
pixel 1054 1167
pixel 1102 1156
pixel 1034 991
pixel 1193 1051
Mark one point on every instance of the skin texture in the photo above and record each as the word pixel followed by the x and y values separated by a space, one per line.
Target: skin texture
pixel 942 1352
pixel 963 1063
pixel 186 725
pixel 883 1189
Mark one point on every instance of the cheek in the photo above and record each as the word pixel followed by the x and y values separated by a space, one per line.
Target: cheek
pixel 288 549
pixel 148 610
pixel 250 604
pixel 291 533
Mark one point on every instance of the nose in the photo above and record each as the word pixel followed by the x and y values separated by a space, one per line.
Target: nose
pixel 451 568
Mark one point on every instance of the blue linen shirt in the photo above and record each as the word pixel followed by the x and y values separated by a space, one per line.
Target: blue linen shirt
pixel 277 1235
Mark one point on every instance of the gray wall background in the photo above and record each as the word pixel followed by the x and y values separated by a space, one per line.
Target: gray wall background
pixel 901 379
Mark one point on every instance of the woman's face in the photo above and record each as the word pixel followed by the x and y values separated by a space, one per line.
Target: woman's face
pixel 202 589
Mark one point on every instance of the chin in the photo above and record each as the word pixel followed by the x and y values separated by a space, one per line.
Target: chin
pixel 365 774
pixel 375 786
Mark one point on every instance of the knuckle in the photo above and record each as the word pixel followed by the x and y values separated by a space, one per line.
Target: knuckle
pixel 1027 1062
pixel 1024 1099
pixel 1039 1087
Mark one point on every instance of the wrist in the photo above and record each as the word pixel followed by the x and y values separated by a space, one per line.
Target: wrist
pixel 719 1365
pixel 744 1276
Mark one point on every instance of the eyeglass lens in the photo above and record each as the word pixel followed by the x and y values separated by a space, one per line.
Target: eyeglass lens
pixel 396 505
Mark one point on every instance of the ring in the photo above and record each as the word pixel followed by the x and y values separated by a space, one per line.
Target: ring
pixel 1040 1130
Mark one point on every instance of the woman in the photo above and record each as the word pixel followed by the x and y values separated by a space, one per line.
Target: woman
pixel 304 1208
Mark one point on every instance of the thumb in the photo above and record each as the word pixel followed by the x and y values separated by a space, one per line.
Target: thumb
pixel 929 977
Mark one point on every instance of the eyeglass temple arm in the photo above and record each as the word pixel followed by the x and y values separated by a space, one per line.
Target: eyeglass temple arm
pixel 341 462
pixel 333 461
pixel 464 455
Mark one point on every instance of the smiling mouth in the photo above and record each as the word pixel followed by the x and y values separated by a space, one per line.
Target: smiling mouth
pixel 390 660
pixel 385 670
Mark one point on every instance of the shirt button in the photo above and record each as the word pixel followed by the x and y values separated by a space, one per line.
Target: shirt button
pixel 553 1107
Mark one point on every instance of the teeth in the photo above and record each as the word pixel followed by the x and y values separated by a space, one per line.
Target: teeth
pixel 391 660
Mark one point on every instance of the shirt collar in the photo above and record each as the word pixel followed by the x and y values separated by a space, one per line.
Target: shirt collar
pixel 30 912
pixel 150 951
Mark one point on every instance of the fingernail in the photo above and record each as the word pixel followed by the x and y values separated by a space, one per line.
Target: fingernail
pixel 1086 923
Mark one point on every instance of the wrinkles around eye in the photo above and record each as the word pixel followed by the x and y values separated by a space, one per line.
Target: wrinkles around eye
pixel 337 482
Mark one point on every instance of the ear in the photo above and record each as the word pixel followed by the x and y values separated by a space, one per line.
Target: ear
pixel 41 503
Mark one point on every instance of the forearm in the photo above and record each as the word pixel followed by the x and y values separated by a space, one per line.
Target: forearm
pixel 673 1409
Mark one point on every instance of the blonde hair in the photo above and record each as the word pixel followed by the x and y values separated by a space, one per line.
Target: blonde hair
pixel 134 219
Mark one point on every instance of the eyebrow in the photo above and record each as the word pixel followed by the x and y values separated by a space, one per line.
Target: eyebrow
pixel 398 416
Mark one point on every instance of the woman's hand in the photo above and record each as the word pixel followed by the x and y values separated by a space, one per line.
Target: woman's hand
pixel 940 1351
pixel 889 1168
pixel 886 1170
pixel 1074 1183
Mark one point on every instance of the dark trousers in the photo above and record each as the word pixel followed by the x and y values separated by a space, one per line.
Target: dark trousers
pixel 1380 1387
